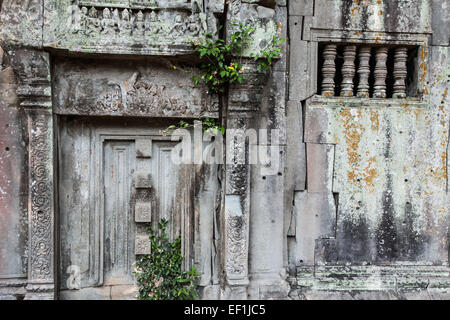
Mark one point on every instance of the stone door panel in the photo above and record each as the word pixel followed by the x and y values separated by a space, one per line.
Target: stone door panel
pixel 112 180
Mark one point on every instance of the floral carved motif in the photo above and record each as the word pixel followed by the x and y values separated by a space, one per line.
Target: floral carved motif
pixel 236 239
pixel 41 220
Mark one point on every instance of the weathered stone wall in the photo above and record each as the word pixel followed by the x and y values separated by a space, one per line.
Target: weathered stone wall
pixel 358 207
pixel 373 219
pixel 13 186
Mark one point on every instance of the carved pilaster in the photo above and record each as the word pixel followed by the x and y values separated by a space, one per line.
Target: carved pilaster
pixel 400 72
pixel 328 70
pixel 236 218
pixel 348 71
pixel 364 72
pixel 34 91
pixel 380 72
pixel 40 205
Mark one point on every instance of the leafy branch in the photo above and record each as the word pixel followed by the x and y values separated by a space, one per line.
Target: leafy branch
pixel 223 65
pixel 160 275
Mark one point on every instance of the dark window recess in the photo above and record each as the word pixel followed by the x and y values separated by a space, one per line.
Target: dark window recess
pixel 367 71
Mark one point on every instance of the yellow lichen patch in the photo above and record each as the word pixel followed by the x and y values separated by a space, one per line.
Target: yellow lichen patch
pixel 444 163
pixel 355 11
pixel 352 132
pixel 370 173
pixel 374 118
pixel 378 1
pixel 380 13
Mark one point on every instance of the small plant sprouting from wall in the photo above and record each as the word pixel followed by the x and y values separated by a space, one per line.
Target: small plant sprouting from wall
pixel 223 65
pixel 208 124
pixel 160 275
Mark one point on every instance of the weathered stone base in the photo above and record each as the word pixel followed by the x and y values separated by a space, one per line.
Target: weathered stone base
pixel 268 287
pixel 116 292
pixel 40 291
pixel 395 282
pixel 12 289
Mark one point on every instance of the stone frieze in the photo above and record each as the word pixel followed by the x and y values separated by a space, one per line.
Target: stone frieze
pixel 124 26
pixel 144 91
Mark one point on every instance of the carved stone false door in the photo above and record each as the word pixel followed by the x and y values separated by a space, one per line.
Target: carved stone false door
pixel 119 164
pixel 112 181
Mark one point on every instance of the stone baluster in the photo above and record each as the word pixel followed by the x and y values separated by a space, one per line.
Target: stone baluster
pixel 348 71
pixel 329 70
pixel 364 72
pixel 400 72
pixel 380 72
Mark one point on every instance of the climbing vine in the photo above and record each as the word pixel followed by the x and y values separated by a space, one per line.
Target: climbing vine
pixel 160 275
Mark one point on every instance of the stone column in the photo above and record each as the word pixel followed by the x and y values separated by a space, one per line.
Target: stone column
pixel 329 70
pixel 380 72
pixel 33 68
pixel 400 72
pixel 40 205
pixel 364 72
pixel 348 71
pixel 236 219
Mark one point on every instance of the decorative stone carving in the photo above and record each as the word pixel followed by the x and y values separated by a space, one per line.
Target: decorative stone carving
pixel 40 202
pixel 380 72
pixel 400 72
pixel 107 23
pixel 329 70
pixel 148 92
pixel 136 27
pixel 364 72
pixel 143 212
pixel 143 180
pixel 140 99
pixel 142 244
pixel 236 240
pixel 348 71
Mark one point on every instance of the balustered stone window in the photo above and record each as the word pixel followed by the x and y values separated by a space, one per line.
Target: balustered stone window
pixel 367 71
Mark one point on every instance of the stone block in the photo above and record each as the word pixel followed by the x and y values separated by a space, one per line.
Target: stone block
pixel 316 125
pixel 315 219
pixel 320 167
pixel 143 212
pixel 296 153
pixel 123 292
pixel 143 148
pixel 142 244
pixel 301 8
pixel 143 180
pixel 440 23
